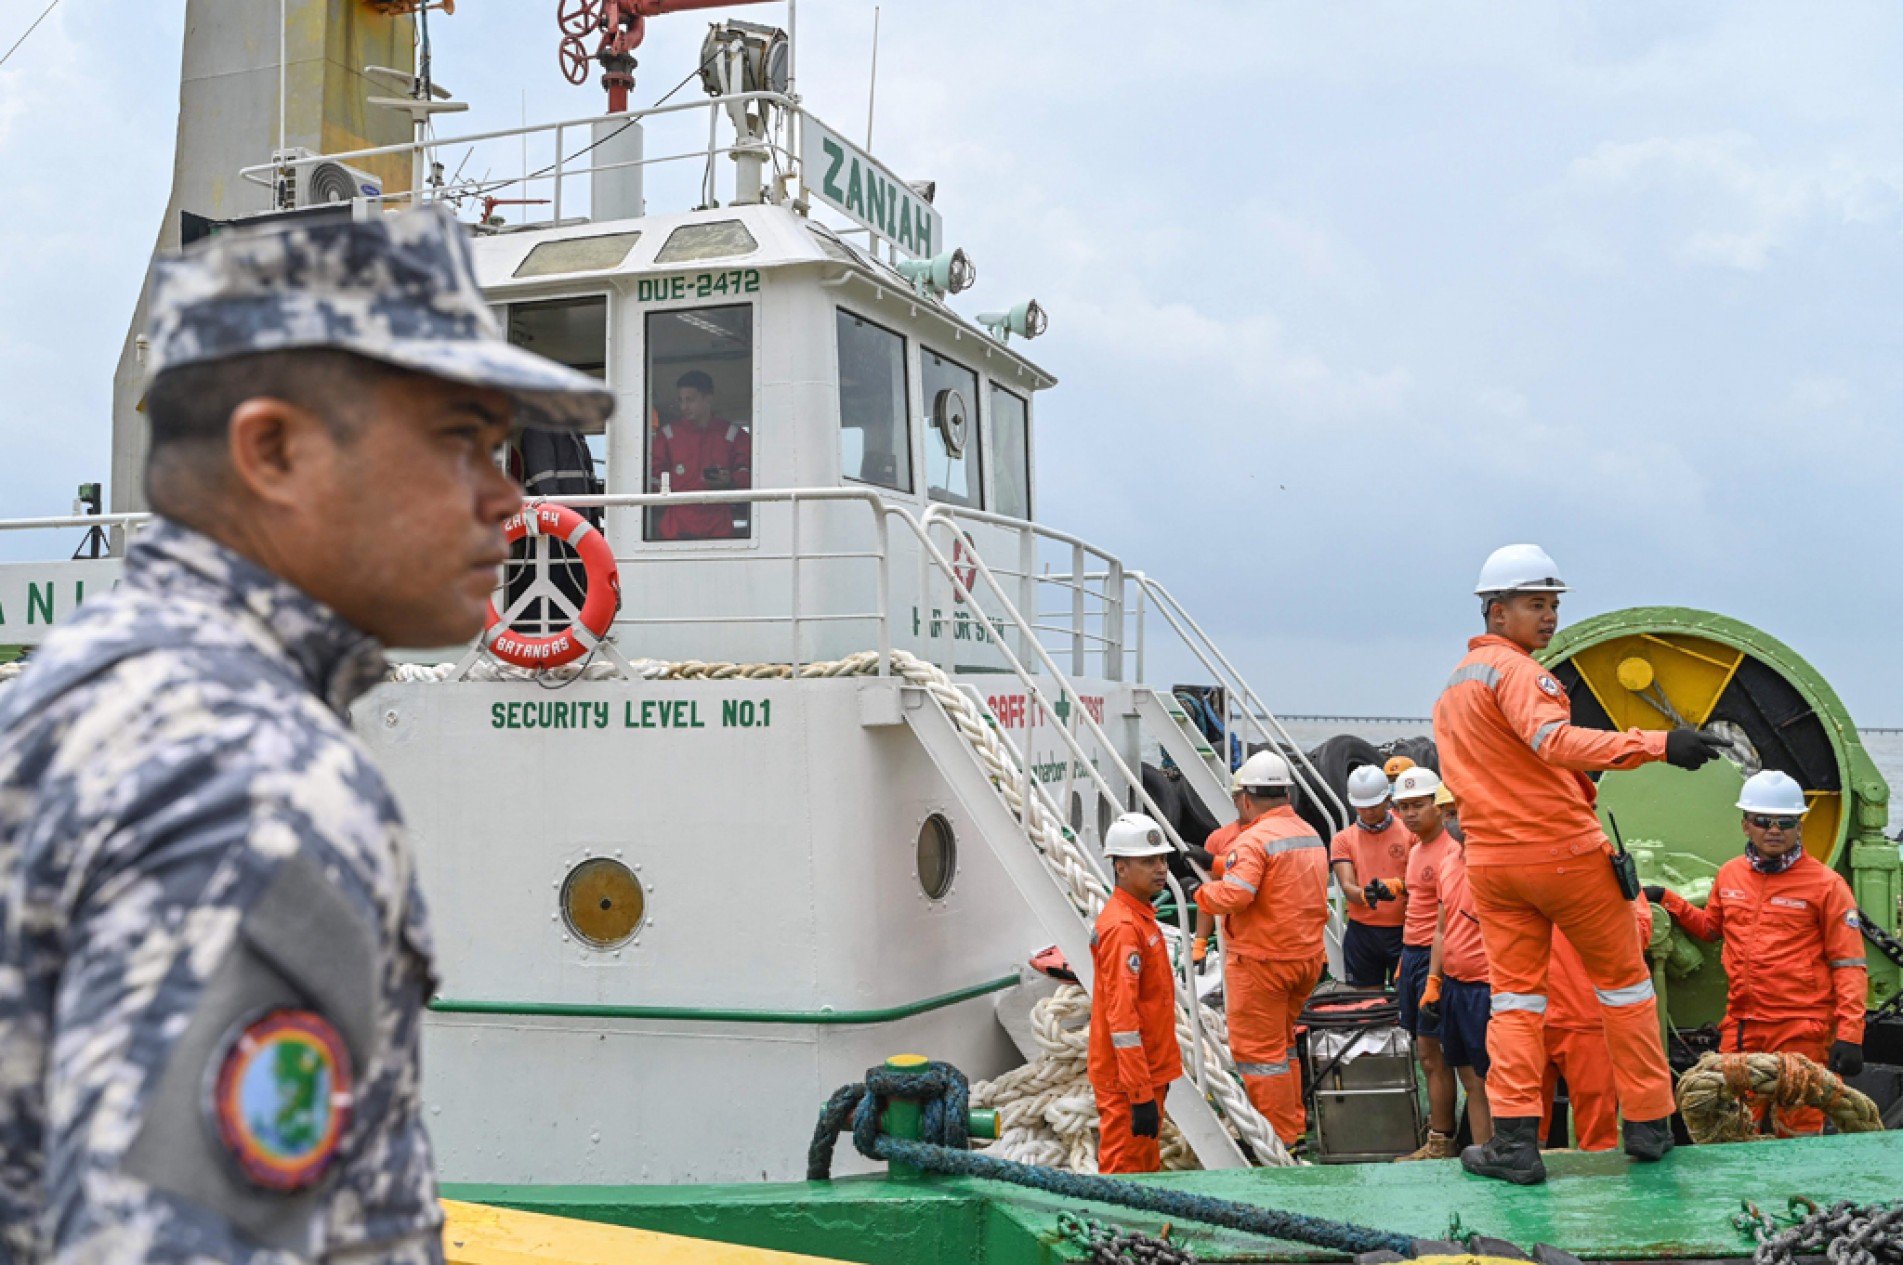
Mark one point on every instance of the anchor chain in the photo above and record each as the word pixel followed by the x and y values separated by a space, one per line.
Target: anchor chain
pixel 1108 1246
pixel 1845 1233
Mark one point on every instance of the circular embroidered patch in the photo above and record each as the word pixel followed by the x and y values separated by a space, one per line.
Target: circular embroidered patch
pixel 282 1098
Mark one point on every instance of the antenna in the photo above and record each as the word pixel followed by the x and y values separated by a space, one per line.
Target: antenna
pixel 872 86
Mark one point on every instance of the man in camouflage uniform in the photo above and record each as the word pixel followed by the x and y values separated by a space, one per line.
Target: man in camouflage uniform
pixel 213 956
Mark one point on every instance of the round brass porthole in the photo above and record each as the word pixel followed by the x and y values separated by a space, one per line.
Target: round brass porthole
pixel 937 856
pixel 602 903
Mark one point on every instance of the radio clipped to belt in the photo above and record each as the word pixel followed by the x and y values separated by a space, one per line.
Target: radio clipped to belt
pixel 1624 868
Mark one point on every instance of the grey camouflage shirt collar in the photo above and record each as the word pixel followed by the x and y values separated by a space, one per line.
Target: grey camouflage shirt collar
pixel 337 660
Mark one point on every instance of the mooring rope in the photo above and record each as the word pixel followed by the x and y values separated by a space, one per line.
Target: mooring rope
pixel 1717 1096
pixel 943 1098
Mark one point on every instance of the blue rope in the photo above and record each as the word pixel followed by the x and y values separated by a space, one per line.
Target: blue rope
pixel 940 1089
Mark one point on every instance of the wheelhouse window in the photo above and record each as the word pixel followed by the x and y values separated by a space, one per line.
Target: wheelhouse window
pixel 573 332
pixel 1010 454
pixel 700 410
pixel 953 471
pixel 875 441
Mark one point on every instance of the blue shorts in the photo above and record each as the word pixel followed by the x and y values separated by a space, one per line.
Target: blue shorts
pixel 1464 1011
pixel 1370 954
pixel 1409 984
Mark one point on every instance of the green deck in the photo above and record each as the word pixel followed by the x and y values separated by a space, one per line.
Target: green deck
pixel 1596 1206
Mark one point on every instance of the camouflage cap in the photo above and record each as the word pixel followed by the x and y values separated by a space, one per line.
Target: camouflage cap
pixel 398 288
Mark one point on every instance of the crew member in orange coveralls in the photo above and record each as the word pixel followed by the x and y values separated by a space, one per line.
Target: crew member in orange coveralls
pixel 1133 1052
pixel 1794 954
pixel 1576 1045
pixel 1218 845
pixel 1417 802
pixel 1538 859
pixel 1368 857
pixel 1274 892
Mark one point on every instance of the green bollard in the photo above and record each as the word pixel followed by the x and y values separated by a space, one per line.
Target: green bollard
pixel 902 1119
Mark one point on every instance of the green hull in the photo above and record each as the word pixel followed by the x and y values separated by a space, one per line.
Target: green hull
pixel 1598 1207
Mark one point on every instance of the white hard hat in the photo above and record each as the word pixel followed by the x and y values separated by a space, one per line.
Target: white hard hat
pixel 1416 783
pixel 1134 835
pixel 1773 792
pixel 1367 786
pixel 1235 782
pixel 1264 768
pixel 1519 569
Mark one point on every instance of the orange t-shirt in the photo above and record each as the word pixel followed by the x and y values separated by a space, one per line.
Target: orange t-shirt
pixel 1424 862
pixel 1375 854
pixel 1509 749
pixel 1463 956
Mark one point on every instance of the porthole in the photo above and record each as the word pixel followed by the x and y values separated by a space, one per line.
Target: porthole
pixel 937 856
pixel 1106 813
pixel 603 903
pixel 1076 813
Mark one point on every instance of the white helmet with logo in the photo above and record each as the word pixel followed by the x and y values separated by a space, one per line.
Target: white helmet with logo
pixel 1519 569
pixel 1134 835
pixel 1417 783
pixel 1773 792
pixel 1264 769
pixel 1367 786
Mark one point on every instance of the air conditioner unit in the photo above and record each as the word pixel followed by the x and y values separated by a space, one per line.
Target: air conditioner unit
pixel 330 182
pixel 321 182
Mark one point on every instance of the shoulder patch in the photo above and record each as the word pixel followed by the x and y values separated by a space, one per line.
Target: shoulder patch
pixel 279 1098
pixel 1134 962
pixel 1547 684
pixel 1851 919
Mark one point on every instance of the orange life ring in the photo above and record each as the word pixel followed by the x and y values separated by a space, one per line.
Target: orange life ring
pixel 599 605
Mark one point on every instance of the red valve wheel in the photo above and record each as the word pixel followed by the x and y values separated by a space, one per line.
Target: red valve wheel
pixel 575 60
pixel 578 17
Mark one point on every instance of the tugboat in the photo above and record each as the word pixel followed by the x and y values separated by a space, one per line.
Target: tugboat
pixel 795 732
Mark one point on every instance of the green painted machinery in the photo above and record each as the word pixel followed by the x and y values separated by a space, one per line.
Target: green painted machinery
pixel 1657 667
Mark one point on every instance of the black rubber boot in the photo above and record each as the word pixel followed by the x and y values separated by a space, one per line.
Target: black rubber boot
pixel 1512 1154
pixel 1648 1140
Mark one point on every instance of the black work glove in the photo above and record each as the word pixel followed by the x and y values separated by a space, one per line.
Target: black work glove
pixel 1376 892
pixel 1430 1014
pixel 1689 749
pixel 1846 1058
pixel 1145 1120
pixel 1654 893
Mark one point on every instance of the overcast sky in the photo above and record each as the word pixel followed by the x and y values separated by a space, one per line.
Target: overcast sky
pixel 1342 295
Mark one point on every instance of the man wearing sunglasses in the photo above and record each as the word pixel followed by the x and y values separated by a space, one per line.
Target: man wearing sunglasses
pixel 1793 947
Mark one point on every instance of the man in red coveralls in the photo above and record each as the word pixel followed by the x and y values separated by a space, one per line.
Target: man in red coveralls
pixel 1794 957
pixel 1133 1052
pixel 1368 857
pixel 1576 1044
pixel 1537 859
pixel 1274 892
pixel 699 453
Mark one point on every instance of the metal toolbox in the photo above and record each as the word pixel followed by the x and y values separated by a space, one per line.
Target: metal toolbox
pixel 1367 1105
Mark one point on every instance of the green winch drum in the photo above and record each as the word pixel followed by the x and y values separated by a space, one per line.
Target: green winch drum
pixel 1659 667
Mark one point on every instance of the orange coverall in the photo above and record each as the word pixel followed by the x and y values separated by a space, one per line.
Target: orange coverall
pixel 1133 1051
pixel 1576 1045
pixel 1274 891
pixel 1538 859
pixel 1794 964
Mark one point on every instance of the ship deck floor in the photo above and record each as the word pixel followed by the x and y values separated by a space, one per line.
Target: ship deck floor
pixel 1596 1206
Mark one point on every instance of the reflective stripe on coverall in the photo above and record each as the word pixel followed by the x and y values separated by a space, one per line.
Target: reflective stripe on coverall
pixel 1537 858
pixel 1133 1051
pixel 1794 964
pixel 1576 1045
pixel 1274 892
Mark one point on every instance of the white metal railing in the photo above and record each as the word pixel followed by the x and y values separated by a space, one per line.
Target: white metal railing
pixel 570 160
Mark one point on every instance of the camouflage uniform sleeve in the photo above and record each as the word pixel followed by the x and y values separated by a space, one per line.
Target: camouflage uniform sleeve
pixel 232 1068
